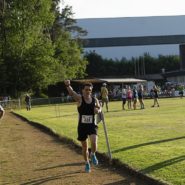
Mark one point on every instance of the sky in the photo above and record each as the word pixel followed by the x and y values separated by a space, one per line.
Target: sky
pixel 124 8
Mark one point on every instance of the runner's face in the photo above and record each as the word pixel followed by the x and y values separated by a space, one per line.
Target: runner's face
pixel 87 90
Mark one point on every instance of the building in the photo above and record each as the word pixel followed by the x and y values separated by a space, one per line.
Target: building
pixel 175 77
pixel 133 36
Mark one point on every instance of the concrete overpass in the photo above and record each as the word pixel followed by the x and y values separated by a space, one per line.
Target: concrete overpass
pixel 139 41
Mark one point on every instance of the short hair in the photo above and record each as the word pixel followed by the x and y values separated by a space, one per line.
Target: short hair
pixel 87 84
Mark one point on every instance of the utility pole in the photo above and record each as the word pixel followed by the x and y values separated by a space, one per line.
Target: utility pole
pixel 144 72
pixel 138 68
pixel 135 67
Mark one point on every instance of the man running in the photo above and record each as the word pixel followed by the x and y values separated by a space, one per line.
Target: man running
pixel 88 106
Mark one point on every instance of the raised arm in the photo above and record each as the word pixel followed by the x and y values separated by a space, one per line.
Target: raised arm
pixel 77 97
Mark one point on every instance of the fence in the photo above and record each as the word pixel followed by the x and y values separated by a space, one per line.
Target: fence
pixel 48 101
pixel 11 104
pixel 18 103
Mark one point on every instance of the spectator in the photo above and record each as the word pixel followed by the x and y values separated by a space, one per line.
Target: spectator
pixel 28 102
pixel 129 97
pixel 124 98
pixel 155 96
pixel 140 96
pixel 135 97
pixel 104 96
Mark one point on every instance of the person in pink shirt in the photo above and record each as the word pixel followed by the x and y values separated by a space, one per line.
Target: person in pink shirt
pixel 129 97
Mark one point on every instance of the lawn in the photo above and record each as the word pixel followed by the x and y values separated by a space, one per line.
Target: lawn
pixel 151 140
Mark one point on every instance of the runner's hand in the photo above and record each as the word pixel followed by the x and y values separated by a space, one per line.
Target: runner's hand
pixel 67 82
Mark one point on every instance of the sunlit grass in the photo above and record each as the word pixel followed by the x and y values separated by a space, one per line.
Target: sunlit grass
pixel 150 140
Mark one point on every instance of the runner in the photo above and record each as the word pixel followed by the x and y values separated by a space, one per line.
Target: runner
pixel 88 106
pixel 2 112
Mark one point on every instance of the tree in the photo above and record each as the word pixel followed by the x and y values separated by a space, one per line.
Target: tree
pixel 68 48
pixel 101 67
pixel 35 49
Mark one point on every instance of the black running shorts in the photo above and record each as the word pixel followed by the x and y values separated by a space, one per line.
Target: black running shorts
pixel 84 130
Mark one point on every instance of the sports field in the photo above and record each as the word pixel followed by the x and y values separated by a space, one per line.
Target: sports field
pixel 151 140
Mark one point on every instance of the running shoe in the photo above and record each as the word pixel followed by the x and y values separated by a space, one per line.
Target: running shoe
pixel 94 160
pixel 87 168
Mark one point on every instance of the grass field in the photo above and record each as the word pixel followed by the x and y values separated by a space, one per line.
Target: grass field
pixel 151 140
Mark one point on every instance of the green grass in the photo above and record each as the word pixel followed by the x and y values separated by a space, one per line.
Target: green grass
pixel 150 140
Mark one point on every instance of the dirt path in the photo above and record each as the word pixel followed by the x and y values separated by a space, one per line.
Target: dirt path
pixel 29 156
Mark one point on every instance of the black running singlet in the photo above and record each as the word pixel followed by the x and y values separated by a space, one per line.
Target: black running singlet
pixel 86 112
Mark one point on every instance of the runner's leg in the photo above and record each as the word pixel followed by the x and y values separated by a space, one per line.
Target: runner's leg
pixel 93 139
pixel 85 151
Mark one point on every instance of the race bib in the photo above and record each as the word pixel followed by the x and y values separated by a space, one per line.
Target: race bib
pixel 87 119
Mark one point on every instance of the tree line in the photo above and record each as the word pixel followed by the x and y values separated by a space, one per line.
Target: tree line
pixel 101 67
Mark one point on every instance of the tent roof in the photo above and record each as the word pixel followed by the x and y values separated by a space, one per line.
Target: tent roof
pixel 110 80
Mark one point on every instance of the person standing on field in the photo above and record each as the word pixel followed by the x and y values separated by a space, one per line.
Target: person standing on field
pixel 140 96
pixel 135 97
pixel 129 97
pixel 155 96
pixel 87 106
pixel 104 96
pixel 124 98
pixel 28 102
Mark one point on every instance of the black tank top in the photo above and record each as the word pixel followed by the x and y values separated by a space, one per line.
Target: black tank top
pixel 86 112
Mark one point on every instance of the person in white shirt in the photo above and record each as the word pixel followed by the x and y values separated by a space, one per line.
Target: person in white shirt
pixel 124 98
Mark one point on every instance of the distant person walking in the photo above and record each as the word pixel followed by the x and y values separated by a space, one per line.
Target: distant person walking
pixel 155 96
pixel 140 96
pixel 87 106
pixel 28 102
pixel 104 96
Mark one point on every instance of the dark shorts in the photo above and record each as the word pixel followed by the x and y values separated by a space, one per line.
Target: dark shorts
pixel 84 130
pixel 124 100
pixel 140 97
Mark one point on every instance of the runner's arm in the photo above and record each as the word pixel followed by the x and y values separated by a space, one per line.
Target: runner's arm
pixel 77 97
pixel 97 108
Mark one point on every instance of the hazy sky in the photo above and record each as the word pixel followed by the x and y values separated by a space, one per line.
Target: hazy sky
pixel 124 8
